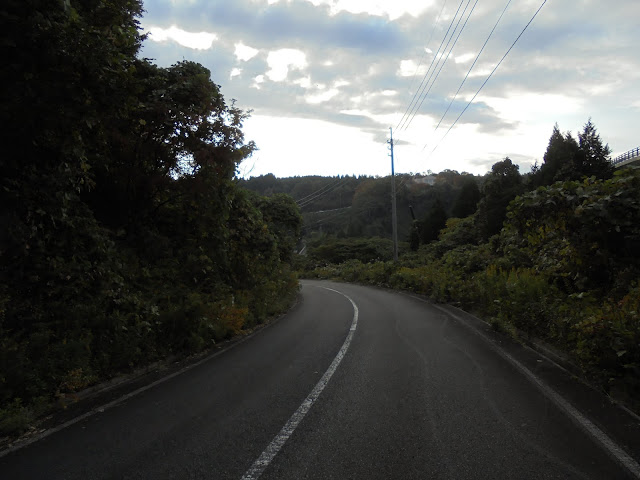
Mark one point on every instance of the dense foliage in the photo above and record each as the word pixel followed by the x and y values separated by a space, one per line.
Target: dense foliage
pixel 350 207
pixel 554 261
pixel 125 237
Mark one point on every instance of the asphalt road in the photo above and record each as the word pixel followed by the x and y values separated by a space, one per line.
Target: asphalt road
pixel 415 392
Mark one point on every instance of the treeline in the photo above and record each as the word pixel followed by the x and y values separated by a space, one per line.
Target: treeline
pixel 354 207
pixel 551 255
pixel 125 237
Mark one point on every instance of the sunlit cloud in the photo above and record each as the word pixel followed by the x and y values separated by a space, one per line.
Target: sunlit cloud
pixel 409 68
pixel 245 53
pixel 465 57
pixel 281 61
pixel 358 64
pixel 196 41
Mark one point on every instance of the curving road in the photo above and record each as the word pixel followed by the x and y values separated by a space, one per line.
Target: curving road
pixel 402 389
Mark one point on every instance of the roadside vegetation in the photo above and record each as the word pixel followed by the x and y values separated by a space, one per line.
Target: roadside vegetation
pixel 551 255
pixel 125 237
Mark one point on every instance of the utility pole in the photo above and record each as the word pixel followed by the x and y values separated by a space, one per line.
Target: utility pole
pixel 394 218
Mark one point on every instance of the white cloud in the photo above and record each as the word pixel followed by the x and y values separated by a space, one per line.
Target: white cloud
pixel 281 61
pixel 465 57
pixel 290 136
pixel 196 41
pixel 523 105
pixel 304 82
pixel 409 68
pixel 567 68
pixel 322 97
pixel 245 53
pixel 392 8
pixel 257 81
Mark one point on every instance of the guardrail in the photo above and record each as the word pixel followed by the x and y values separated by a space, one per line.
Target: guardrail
pixel 626 156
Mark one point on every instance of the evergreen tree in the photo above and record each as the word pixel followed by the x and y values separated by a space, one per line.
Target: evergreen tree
pixel 593 159
pixel 569 159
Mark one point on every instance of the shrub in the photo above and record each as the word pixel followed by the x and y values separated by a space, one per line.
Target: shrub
pixel 607 340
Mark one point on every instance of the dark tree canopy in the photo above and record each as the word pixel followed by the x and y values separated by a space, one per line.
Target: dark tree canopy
pixel 569 159
pixel 502 185
pixel 435 221
pixel 467 201
pixel 124 236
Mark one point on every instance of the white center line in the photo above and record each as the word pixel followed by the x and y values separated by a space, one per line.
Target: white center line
pixel 276 444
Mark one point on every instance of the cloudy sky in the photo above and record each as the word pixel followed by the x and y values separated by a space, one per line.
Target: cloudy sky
pixel 326 79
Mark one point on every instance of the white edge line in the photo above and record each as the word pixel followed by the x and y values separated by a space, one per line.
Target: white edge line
pixel 280 439
pixel 612 448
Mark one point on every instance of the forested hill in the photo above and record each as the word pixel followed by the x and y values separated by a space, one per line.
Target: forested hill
pixel 361 206
pixel 124 237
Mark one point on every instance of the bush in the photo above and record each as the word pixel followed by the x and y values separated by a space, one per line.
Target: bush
pixel 607 340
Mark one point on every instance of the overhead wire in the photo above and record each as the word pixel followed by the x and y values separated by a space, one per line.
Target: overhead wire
pixel 410 108
pixel 320 195
pixel 325 220
pixel 490 75
pixel 327 211
pixel 424 52
pixel 471 68
pixel 319 190
pixel 446 57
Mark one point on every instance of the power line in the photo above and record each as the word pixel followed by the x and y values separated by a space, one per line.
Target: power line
pixel 320 195
pixel 471 68
pixel 300 200
pixel 421 60
pixel 446 56
pixel 324 220
pixel 327 211
pixel 490 75
pixel 424 52
pixel 400 125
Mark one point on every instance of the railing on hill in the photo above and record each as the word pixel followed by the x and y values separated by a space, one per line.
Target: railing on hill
pixel 626 156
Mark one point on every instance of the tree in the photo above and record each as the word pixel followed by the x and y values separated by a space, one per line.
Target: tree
pixel 124 236
pixel 584 234
pixel 593 159
pixel 282 215
pixel 414 236
pixel 435 221
pixel 503 184
pixel 569 159
pixel 467 200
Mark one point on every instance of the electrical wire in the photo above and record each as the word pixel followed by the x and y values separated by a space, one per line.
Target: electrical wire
pixel 471 68
pixel 317 191
pixel 446 57
pixel 319 196
pixel 424 52
pixel 400 125
pixel 490 75
pixel 324 220
pixel 327 211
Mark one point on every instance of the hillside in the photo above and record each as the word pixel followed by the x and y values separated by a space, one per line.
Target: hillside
pixel 354 207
